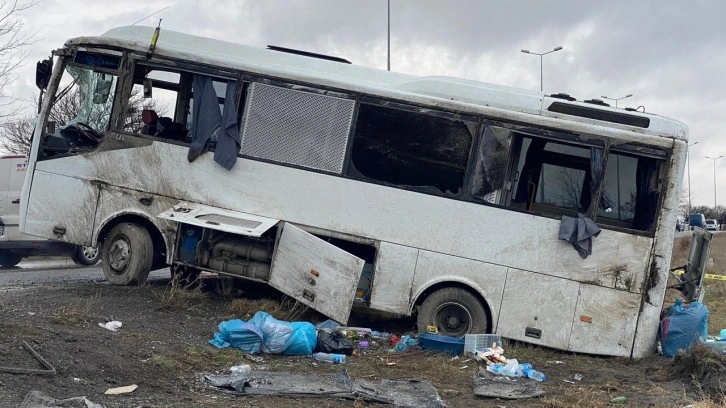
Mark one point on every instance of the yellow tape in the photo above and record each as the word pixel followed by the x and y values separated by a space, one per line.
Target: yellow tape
pixel 707 276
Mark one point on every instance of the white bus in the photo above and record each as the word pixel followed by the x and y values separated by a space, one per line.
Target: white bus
pixel 334 183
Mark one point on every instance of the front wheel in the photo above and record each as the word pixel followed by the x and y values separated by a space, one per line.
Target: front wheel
pixel 85 255
pixel 454 312
pixel 127 253
pixel 8 259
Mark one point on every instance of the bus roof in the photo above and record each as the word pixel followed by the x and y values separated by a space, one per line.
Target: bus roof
pixel 448 92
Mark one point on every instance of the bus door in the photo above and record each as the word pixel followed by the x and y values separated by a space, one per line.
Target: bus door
pixel 297 263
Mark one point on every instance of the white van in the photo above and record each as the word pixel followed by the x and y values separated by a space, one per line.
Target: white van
pixel 14 246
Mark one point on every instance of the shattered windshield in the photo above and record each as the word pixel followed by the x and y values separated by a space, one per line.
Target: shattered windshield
pixel 86 96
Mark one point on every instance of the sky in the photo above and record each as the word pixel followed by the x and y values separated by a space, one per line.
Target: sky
pixel 670 55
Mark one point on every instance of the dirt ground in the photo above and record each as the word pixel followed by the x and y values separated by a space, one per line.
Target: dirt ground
pixel 163 348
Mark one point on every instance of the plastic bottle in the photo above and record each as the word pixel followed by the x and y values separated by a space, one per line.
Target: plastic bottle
pixel 330 357
pixel 529 372
pixel 511 369
pixel 379 335
pixel 242 369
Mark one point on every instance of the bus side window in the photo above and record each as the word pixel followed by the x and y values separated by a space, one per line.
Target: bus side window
pixel 412 150
pixel 632 183
pixel 151 107
pixel 490 164
pixel 552 178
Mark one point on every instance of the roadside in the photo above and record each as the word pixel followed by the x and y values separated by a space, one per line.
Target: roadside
pixel 163 347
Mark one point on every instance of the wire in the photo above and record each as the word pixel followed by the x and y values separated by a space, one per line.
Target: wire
pixel 150 15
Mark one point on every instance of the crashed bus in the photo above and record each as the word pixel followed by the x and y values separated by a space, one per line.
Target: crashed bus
pixel 482 208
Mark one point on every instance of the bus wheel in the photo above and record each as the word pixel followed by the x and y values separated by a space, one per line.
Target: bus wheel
pixel 85 255
pixel 127 254
pixel 454 312
pixel 8 260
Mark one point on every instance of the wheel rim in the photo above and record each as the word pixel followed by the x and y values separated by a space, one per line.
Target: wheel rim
pixel 119 255
pixel 89 253
pixel 452 319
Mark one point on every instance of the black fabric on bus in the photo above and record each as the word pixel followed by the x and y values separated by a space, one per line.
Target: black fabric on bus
pixel 228 143
pixel 206 116
pixel 579 232
pixel 531 170
pixel 645 200
pixel 597 173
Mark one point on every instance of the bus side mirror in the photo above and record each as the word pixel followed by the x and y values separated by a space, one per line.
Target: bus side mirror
pixel 43 69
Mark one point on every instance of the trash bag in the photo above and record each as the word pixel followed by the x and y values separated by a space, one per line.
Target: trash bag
pixel 334 342
pixel 264 333
pixel 682 326
pixel 238 334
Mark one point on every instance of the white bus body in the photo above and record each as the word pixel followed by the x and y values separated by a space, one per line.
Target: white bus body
pixel 344 169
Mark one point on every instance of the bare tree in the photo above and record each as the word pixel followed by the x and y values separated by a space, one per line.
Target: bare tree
pixel 13 42
pixel 18 133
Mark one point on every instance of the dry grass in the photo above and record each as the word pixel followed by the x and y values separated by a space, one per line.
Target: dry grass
pixel 181 297
pixel 286 309
pixel 706 370
pixel 80 310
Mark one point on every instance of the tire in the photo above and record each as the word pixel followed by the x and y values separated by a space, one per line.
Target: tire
pixel 86 256
pixel 454 312
pixel 9 259
pixel 127 254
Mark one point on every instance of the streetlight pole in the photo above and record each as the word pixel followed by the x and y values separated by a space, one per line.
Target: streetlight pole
pixel 688 160
pixel 389 35
pixel 617 99
pixel 541 54
pixel 714 178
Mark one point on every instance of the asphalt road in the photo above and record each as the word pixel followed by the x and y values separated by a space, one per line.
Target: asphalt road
pixel 44 271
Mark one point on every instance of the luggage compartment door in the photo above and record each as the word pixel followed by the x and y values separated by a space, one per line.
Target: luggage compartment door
pixel 316 273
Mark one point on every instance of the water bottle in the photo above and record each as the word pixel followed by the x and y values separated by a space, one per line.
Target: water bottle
pixel 379 335
pixel 330 357
pixel 511 369
pixel 242 369
pixel 529 372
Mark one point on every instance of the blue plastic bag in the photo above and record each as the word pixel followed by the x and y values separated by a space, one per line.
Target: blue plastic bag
pixel 683 326
pixel 266 334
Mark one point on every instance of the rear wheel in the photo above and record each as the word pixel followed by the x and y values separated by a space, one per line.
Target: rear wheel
pixel 85 255
pixel 127 253
pixel 8 259
pixel 454 312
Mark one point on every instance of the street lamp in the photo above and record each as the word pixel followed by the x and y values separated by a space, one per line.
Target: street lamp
pixel 617 99
pixel 540 62
pixel 714 178
pixel 688 160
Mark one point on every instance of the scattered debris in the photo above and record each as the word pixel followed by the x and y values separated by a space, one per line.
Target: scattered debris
pixel 494 386
pixel 113 325
pixel 36 399
pixel 50 370
pixel 578 377
pixel 402 393
pixel 618 400
pixel 121 390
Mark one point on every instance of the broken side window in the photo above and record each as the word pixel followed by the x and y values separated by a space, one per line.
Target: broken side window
pixel 490 164
pixel 551 177
pixel 156 104
pixel 632 181
pixel 423 150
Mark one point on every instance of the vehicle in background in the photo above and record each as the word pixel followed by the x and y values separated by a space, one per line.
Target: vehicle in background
pixel 14 245
pixel 680 225
pixel 697 220
pixel 711 225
